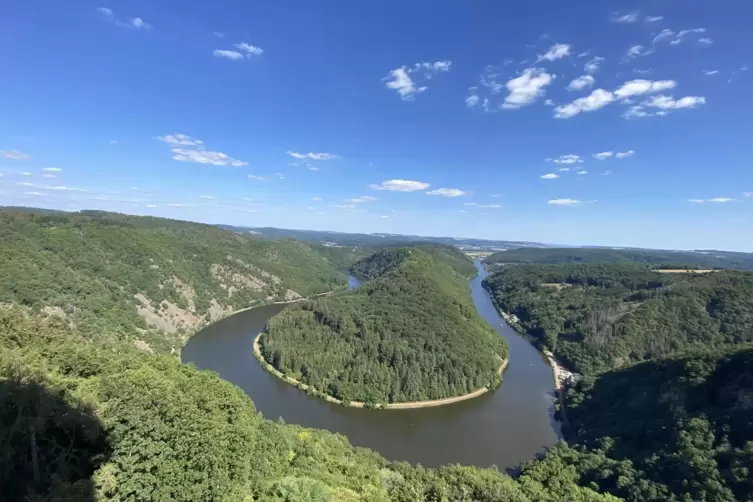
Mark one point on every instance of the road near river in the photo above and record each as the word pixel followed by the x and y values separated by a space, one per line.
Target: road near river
pixel 504 428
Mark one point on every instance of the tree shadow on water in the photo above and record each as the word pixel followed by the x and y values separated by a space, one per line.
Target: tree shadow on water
pixel 50 444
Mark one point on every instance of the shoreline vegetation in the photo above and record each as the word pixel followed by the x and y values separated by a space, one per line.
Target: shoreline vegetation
pixel 358 404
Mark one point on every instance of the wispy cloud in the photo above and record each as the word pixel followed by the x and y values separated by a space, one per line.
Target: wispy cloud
pixel 52 169
pixel 637 51
pixel 410 80
pixel 206 157
pixel 362 199
pixel 313 156
pixel 603 155
pixel 624 155
pixel 600 97
pixel 14 155
pixel 317 199
pixel 565 202
pixel 24 173
pixel 582 172
pixel 257 178
pixel 135 23
pixel 550 176
pixel 180 139
pixel 665 105
pixel 580 83
pixel 710 72
pixel 594 65
pixel 567 159
pixel 228 54
pixel 64 189
pixel 718 200
pixel 555 52
pixel 243 51
pixel 248 49
pixel 625 17
pixel 640 86
pixel 653 19
pixel 490 206
pixel 401 186
pixel 606 173
pixel 206 197
pixel 448 192
pixel 676 38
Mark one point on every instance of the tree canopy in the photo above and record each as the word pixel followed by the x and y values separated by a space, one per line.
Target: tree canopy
pixel 410 333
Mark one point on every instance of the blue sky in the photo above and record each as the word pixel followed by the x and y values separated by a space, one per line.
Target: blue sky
pixel 608 123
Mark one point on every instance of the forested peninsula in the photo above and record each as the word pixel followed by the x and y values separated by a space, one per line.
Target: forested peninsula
pixel 409 333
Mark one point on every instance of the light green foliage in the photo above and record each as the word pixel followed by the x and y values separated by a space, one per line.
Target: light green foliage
pixel 601 316
pixel 92 264
pixel 411 333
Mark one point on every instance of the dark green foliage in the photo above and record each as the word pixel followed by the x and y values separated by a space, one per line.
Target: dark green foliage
pixel 601 316
pixel 409 334
pixel 675 429
pixel 113 423
pixel 92 264
pixel 655 257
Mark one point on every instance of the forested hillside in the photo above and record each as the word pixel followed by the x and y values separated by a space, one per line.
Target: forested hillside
pixel 673 429
pixel 148 279
pixel 595 317
pixel 83 421
pixel 655 257
pixel 411 333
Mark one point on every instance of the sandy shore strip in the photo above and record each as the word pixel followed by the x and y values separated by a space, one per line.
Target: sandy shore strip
pixel 358 404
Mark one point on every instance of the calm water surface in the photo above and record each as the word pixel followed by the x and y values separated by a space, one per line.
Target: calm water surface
pixel 503 428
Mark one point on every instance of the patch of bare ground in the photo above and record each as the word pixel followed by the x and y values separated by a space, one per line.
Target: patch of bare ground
pixel 556 285
pixel 186 291
pixel 233 281
pixel 256 269
pixel 168 317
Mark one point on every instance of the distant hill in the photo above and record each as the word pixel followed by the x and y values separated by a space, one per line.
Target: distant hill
pixel 410 333
pixel 374 240
pixel 149 279
pixel 659 258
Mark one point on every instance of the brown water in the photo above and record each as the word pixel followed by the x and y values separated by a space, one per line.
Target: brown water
pixel 504 428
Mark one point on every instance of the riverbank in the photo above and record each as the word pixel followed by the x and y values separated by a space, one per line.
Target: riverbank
pixel 358 404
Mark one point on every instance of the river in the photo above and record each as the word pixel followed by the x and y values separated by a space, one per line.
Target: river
pixel 503 428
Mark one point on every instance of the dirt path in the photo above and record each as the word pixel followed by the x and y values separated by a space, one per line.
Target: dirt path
pixel 358 404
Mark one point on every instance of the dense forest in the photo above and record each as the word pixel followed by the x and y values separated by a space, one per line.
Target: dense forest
pixel 410 333
pixel 85 420
pixel 671 429
pixel 655 257
pixel 596 317
pixel 148 279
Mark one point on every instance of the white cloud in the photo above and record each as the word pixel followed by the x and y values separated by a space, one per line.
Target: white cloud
pixel 14 155
pixel 667 35
pixel 105 11
pixel 710 72
pixel 603 155
pixel 206 197
pixel 316 198
pixel 550 176
pixel 384 216
pixel 218 34
pixel 232 55
pixel 150 205
pixel 582 172
pixel 25 184
pixel 653 19
pixel 490 206
pixel 564 169
pixel 52 169
pixel 471 204
pixel 705 42
pixel 37 194
pixel 361 200
pixel 526 88
pixel 206 157
pixel 346 206
pixel 400 79
pixel 65 189
pixel 250 50
pixel 606 173
pixel 400 186
pixel 565 202
pixel 719 200
pixel 313 156
pixel 257 178
pixel 555 52
pixel 624 155
pixel 549 102
pixel 177 204
pixel 448 192
pixel 580 83
pixel 640 86
pixel 669 103
pixel 625 17
pixel 596 100
pixel 472 100
pixel 567 159
pixel 180 139
pixel 748 194
pixel 637 51
pixel 139 24
pixel 594 65
pixel 23 173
